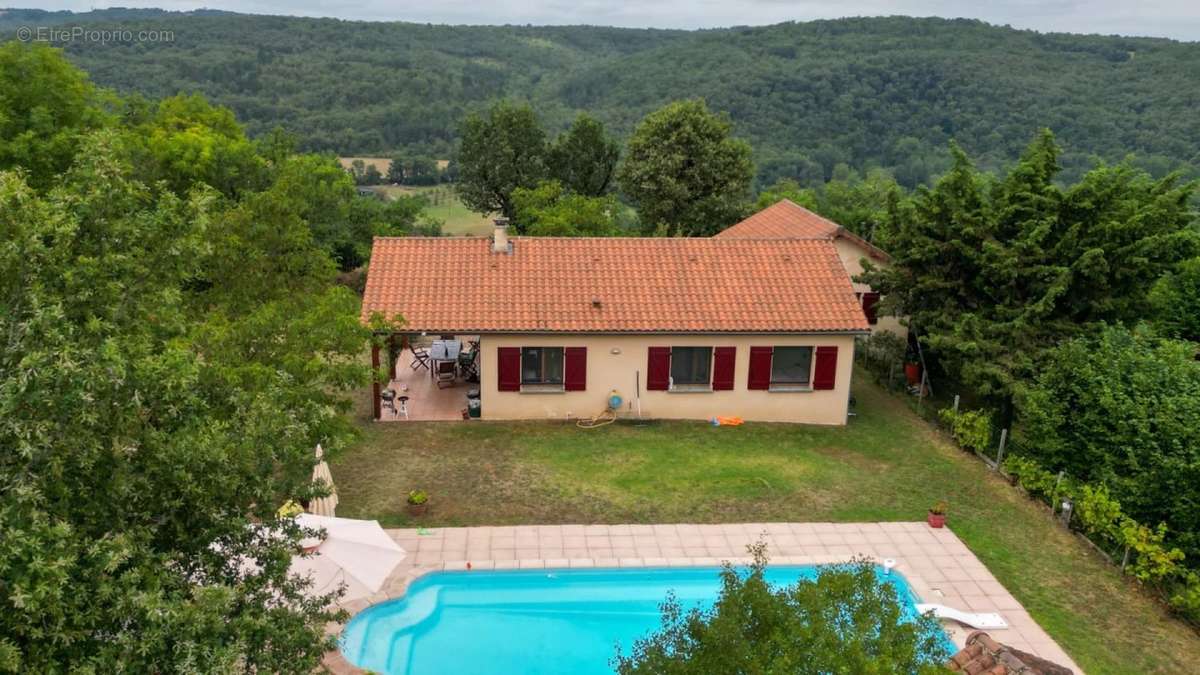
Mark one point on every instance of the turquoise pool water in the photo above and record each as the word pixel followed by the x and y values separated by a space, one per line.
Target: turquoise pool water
pixel 533 621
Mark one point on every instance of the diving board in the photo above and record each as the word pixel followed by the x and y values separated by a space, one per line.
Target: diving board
pixel 986 621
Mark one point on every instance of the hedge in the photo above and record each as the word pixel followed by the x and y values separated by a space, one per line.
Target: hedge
pixel 1098 515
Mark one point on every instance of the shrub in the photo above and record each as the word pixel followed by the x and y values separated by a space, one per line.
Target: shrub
pixel 971 428
pixel 1099 515
pixel 1119 409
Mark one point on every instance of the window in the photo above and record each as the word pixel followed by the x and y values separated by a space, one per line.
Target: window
pixel 541 365
pixel 691 366
pixel 791 365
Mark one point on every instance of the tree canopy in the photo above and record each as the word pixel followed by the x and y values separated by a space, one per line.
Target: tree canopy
pixel 994 271
pixel 551 211
pixel 1175 302
pixel 502 151
pixel 584 158
pixel 887 92
pixel 1120 408
pixel 846 620
pixel 684 171
pixel 174 349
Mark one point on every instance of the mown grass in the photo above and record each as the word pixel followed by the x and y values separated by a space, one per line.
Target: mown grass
pixel 886 465
pixel 444 205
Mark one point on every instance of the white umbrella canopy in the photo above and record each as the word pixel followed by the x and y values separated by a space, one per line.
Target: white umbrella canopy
pixel 357 553
pixel 323 506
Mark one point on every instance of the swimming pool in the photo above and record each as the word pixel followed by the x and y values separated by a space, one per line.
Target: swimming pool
pixel 534 621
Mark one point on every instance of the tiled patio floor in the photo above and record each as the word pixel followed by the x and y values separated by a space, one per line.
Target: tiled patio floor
pixel 426 402
pixel 938 566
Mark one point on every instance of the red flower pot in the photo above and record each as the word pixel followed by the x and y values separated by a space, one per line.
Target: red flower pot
pixel 936 519
pixel 912 373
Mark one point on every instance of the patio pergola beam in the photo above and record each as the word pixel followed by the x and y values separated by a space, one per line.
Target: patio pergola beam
pixel 376 403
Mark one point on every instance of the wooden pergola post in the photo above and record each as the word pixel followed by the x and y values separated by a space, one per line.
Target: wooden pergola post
pixel 393 356
pixel 376 404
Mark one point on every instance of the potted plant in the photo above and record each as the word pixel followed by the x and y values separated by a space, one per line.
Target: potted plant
pixel 937 515
pixel 418 502
pixel 912 373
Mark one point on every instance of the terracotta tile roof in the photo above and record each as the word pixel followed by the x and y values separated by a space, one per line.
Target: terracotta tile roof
pixel 604 285
pixel 786 219
pixel 982 655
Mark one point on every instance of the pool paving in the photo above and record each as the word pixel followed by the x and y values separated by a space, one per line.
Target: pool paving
pixel 939 568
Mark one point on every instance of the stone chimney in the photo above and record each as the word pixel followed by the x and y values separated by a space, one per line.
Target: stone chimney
pixel 500 243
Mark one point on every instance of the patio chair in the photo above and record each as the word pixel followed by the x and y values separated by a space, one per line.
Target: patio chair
pixel 468 365
pixel 446 372
pixel 420 358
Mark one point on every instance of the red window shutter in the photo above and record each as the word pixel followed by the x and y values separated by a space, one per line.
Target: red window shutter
pixel 825 372
pixel 760 367
pixel 723 361
pixel 658 370
pixel 870 302
pixel 508 363
pixel 575 368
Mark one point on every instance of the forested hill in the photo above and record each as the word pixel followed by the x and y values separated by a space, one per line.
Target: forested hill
pixel 808 96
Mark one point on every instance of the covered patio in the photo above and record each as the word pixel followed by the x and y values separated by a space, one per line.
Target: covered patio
pixel 415 390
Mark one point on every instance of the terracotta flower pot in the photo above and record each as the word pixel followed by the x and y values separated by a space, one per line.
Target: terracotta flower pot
pixel 936 519
pixel 417 509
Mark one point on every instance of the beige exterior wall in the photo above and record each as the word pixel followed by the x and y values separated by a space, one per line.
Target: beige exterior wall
pixel 616 362
pixel 852 255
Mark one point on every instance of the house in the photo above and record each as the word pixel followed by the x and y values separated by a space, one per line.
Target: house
pixel 788 220
pixel 675 328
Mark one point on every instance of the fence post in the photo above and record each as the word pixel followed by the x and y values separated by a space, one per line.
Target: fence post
pixel 1054 495
pixel 1000 452
pixel 956 404
pixel 1125 560
pixel 921 393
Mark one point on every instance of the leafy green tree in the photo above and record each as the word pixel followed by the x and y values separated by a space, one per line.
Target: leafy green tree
pixel 684 172
pixel 502 151
pixel 422 170
pixel 584 158
pixel 276 146
pixel 45 106
pixel 786 188
pixel 995 271
pixel 396 167
pixel 358 171
pixel 188 141
pixel 844 621
pixel 859 203
pixel 317 191
pixel 1175 302
pixel 1120 408
pixel 550 211
pixel 151 416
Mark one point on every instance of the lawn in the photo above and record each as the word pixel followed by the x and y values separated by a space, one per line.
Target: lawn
pixel 444 205
pixel 886 465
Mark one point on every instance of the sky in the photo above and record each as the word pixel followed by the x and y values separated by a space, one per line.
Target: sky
pixel 1179 19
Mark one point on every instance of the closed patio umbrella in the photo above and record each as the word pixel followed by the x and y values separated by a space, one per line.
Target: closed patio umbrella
pixel 357 553
pixel 323 506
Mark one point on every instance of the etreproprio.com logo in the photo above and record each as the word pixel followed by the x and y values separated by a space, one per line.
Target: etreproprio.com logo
pixel 70 34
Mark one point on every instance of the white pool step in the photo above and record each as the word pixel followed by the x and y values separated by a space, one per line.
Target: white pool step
pixel 987 621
